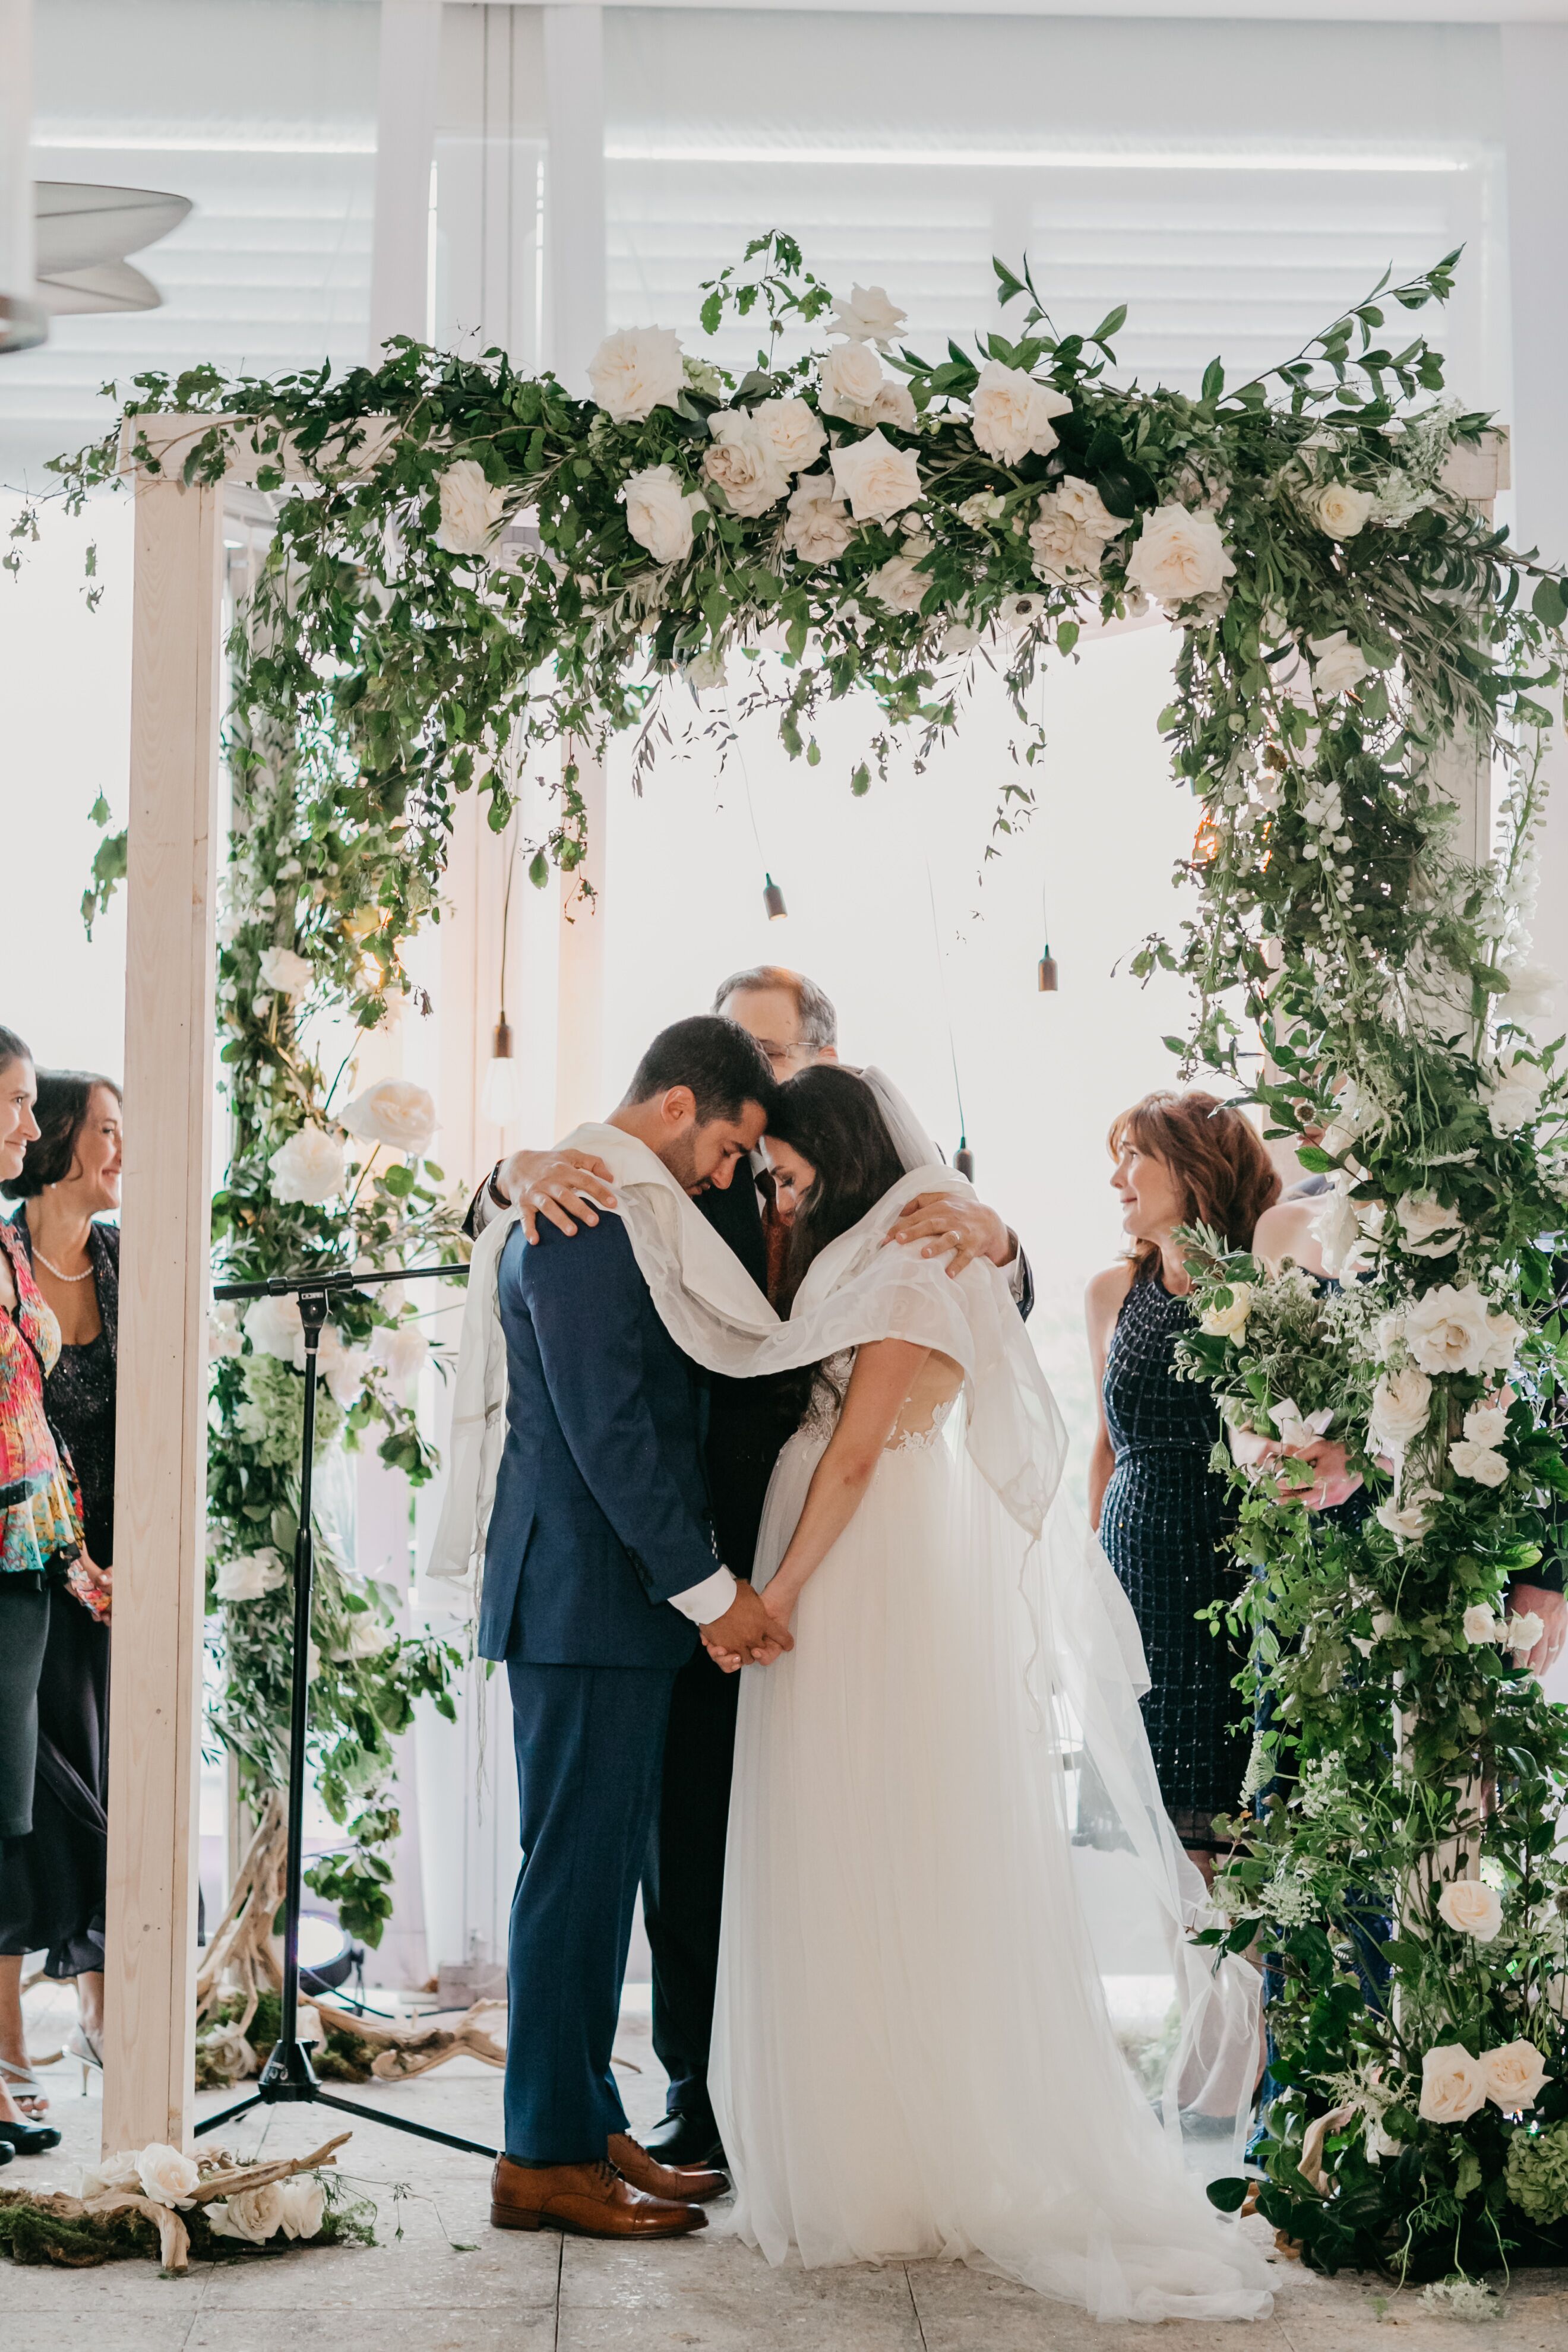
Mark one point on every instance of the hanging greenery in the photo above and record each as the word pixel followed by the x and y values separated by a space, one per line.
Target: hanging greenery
pixel 470 567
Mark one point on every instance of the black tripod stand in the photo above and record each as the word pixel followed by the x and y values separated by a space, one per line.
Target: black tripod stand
pixel 289 2078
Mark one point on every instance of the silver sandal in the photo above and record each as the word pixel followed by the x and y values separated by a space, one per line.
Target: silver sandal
pixel 22 2084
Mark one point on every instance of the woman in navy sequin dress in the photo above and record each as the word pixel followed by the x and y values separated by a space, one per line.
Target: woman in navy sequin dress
pixel 1162 1513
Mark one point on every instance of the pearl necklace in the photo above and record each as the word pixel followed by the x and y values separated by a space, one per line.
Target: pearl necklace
pixel 58 1271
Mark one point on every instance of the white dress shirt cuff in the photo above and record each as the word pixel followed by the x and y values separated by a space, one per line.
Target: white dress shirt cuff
pixel 702 1602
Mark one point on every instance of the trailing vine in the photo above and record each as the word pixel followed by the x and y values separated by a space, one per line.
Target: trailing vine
pixel 473 572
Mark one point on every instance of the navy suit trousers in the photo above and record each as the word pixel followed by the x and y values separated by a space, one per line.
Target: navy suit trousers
pixel 590 1750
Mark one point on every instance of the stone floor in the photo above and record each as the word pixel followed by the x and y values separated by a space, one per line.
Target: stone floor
pixel 442 2281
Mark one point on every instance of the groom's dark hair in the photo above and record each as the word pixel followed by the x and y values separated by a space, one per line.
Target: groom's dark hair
pixel 724 1065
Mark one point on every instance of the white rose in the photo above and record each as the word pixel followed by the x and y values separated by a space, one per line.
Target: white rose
pixel 1429 1228
pixel 957 639
pixel 1337 665
pixel 471 508
pixel 395 1112
pixel 1401 1408
pixel 981 508
pixel 1482 1624
pixel 272 1326
pixel 792 432
pixel 1487 1423
pixel 304 2203
pixel 250 1575
pixel 848 381
pixel 1230 1322
pixel 1522 1631
pixel 1341 511
pixel 255 2215
pixel 1010 414
pixel 1409 1520
pixel 111 2172
pixel 818 529
pixel 900 584
pixel 341 1366
pixel 877 479
pixel 659 508
pixel 1179 556
pixel 1514 2075
pixel 401 1350
pixel 637 370
pixel 166 2176
pixel 1513 1095
pixel 1446 1331
pixel 310 1167
pixel 289 973
pixel 867 316
pixel 223 1331
pixel 1336 1229
pixel 1471 1908
pixel 1070 531
pixel 740 462
pixel 711 668
pixel 1469 1460
pixel 894 405
pixel 1452 2084
pixel 1503 1335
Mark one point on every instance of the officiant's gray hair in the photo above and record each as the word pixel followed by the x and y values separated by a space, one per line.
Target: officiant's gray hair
pixel 818 1021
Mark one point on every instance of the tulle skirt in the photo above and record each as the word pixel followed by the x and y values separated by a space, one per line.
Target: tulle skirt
pixel 913 2054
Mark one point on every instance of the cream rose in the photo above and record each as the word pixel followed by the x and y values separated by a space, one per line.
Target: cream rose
pixel 310 1167
pixel 1446 1331
pixel 1401 1408
pixel 304 2203
pixel 1487 1424
pixel 1428 1228
pixel 1521 1632
pixel 1471 1908
pixel 250 1575
pixel 1010 415
pixel 1513 1095
pixel 659 508
pixel 1452 2084
pixel 1179 556
pixel 167 2176
pixel 1337 665
pixel 1230 1322
pixel 848 381
pixel 289 973
pixel 1514 2074
pixel 272 1326
pixel 1503 1335
pixel 877 479
pixel 341 1366
pixel 1336 1228
pixel 401 1350
pixel 982 506
pixel 637 370
pixel 867 317
pixel 739 462
pixel 1070 531
pixel 1469 1460
pixel 1482 1624
pixel 111 2172
pixel 818 529
pixel 792 433
pixel 395 1112
pixel 894 405
pixel 471 508
pixel 255 2215
pixel 900 584
pixel 1407 1521
pixel 1341 511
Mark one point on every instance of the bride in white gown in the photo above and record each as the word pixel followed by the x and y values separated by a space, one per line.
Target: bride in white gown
pixel 912 2052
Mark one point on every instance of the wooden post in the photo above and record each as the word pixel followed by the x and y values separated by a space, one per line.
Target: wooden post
pixel 159 1514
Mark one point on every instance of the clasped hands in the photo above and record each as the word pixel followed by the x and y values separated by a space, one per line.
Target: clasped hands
pixel 750 1633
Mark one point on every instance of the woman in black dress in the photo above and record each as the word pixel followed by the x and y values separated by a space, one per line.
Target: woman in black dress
pixel 1162 1512
pixel 52 1883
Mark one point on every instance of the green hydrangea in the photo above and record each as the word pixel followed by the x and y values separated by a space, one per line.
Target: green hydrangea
pixel 271 1415
pixel 1538 2173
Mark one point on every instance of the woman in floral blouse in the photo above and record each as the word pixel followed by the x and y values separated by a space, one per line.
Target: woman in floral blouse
pixel 39 1523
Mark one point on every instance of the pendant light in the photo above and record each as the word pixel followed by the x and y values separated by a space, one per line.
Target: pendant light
pixel 498 1097
pixel 1047 960
pixel 773 900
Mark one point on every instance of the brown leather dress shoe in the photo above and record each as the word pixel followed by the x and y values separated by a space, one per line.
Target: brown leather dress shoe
pixel 687 2184
pixel 589 2200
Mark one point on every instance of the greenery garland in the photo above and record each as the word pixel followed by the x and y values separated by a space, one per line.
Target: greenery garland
pixel 470 565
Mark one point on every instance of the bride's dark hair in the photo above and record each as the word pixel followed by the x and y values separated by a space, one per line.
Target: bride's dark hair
pixel 832 1118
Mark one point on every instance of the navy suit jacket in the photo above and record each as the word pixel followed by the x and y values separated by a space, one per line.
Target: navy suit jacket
pixel 602 1509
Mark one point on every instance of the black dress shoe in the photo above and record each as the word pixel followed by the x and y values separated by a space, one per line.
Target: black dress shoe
pixel 685 2141
pixel 26 2139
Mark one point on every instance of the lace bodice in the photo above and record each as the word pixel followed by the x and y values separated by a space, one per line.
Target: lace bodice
pixel 921 1418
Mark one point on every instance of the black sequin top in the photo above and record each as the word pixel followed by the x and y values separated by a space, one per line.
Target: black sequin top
pixel 1164 1525
pixel 79 1395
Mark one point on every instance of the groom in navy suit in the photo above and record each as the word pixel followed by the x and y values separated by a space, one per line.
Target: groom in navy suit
pixel 600 1564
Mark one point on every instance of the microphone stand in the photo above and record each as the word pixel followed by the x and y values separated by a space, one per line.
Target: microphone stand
pixel 289 2078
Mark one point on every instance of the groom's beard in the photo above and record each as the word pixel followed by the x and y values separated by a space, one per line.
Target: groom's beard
pixel 681 1158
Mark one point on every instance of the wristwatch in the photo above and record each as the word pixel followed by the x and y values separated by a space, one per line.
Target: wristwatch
pixel 501 1200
